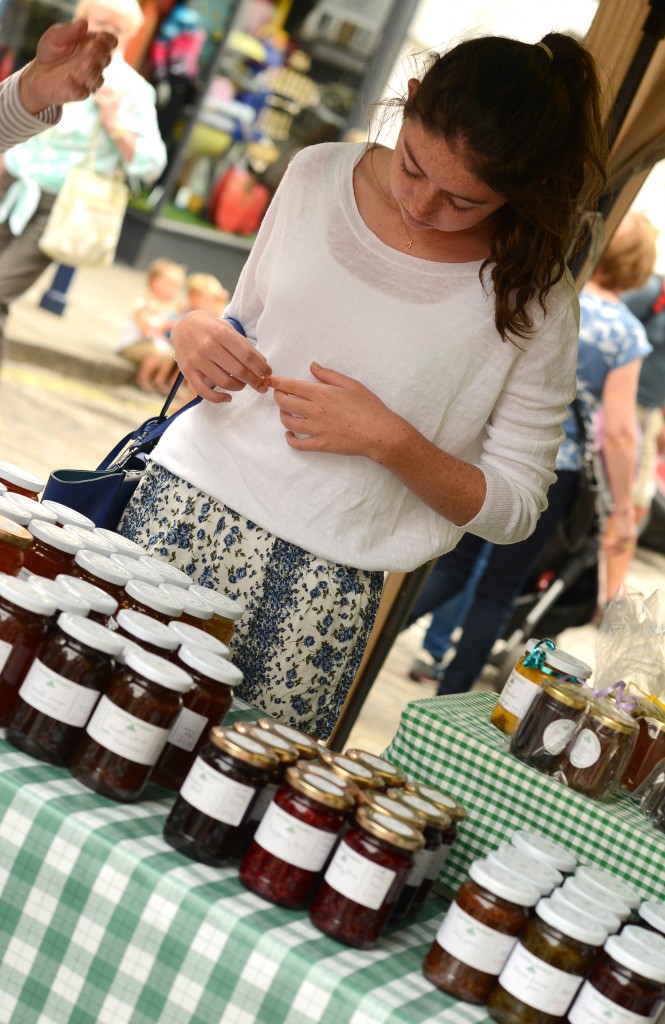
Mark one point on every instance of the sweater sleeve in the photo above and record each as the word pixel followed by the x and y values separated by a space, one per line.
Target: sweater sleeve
pixel 16 124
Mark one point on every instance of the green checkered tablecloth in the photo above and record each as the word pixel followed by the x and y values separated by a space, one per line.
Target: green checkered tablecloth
pixel 101 922
pixel 449 742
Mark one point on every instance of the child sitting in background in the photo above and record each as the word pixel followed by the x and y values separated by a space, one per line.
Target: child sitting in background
pixel 146 337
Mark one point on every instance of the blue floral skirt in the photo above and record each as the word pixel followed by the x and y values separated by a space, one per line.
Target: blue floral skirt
pixel 306 620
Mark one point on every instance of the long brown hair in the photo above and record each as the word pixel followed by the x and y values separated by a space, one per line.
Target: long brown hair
pixel 527 119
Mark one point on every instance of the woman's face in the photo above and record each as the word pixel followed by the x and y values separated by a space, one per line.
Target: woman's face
pixel 105 19
pixel 435 186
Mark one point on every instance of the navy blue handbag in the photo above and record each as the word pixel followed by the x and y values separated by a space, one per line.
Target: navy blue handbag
pixel 103 494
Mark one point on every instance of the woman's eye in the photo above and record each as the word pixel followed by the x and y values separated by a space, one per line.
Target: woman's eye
pixel 409 174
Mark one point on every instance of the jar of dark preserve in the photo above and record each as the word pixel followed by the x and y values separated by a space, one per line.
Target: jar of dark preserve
pixel 51 552
pixel 130 726
pixel 648 751
pixel 204 706
pixel 192 636
pixel 543 876
pixel 195 611
pixel 381 801
pixel 430 859
pixel 479 930
pixel 217 795
pixel 101 571
pixel 14 542
pixel 316 768
pixel 307 746
pixel 577 889
pixel 541 848
pixel 624 986
pixel 548 723
pixel 62 687
pixel 392 776
pixel 453 808
pixel 20 481
pixel 25 617
pixel 607 884
pixel 597 752
pixel 595 909
pixel 102 605
pixel 146 598
pixel 69 516
pixel 149 633
pixel 350 771
pixel 294 838
pixel 546 967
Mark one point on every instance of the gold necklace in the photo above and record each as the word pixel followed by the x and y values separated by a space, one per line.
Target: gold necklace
pixel 409 244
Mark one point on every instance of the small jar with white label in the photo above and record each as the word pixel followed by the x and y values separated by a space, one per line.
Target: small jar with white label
pixel 91 540
pixel 10 509
pixel 428 861
pixel 62 687
pixel 192 636
pixel 294 839
pixel 598 750
pixel 548 723
pixel 64 599
pixel 453 808
pixel 541 848
pixel 392 776
pixel 596 909
pixel 364 878
pixel 479 930
pixel 204 706
pixel 624 986
pixel 102 605
pixel 546 967
pixel 25 620
pixel 307 747
pixel 138 568
pixel 35 509
pixel 218 794
pixel 542 664
pixel 101 571
pixel 130 726
pixel 123 545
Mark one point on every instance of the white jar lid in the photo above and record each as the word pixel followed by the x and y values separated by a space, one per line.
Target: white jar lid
pixel 588 906
pixel 568 920
pixel 32 600
pixel 158 670
pixel 653 912
pixel 211 665
pixel 152 597
pixel 566 663
pixel 644 938
pixel 55 536
pixel 545 849
pixel 191 604
pixel 67 515
pixel 143 627
pixel 503 882
pixel 194 636
pixel 3 488
pixel 169 573
pixel 542 875
pixel 648 964
pixel 99 600
pixel 102 567
pixel 64 600
pixel 221 604
pixel 610 900
pixel 137 568
pixel 606 881
pixel 123 545
pixel 20 477
pixel 35 509
pixel 90 540
pixel 91 634
pixel 10 509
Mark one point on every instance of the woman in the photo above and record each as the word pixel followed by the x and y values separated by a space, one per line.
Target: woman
pixel 413 328
pixel 116 127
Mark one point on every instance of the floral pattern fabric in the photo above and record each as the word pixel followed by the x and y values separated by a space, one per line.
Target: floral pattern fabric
pixel 306 620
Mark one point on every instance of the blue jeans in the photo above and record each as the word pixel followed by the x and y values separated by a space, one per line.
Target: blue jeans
pixel 452 613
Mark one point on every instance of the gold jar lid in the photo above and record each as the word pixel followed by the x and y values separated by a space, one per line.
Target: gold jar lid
pixel 573 695
pixel 391 830
pixel 244 748
pixel 434 814
pixel 331 794
pixel 353 771
pixel 390 773
pixel 14 534
pixel 284 750
pixel 605 711
pixel 449 804
pixel 306 745
pixel 647 707
pixel 327 773
pixel 391 805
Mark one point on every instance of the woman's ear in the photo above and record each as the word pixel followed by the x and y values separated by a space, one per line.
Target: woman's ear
pixel 413 87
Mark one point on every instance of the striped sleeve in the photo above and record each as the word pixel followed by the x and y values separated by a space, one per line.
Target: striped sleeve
pixel 16 124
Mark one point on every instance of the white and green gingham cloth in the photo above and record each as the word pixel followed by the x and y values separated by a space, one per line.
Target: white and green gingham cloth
pixel 449 742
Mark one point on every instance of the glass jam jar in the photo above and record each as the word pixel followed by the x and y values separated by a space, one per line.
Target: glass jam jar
pixel 545 850
pixel 90 540
pixel 169 573
pixel 217 795
pixel 203 707
pixel 64 600
pixel 20 481
pixel 624 986
pixel 316 768
pixel 548 723
pixel 195 611
pixel 479 930
pixel 101 571
pixel 392 776
pixel 596 754
pixel 651 914
pixel 10 509
pixel 453 808
pixel 35 509
pixel 225 612
pixel 25 617
pixel 546 967
pixel 146 598
pixel 294 838
pixel 51 552
pixel 544 663
pixel 14 542
pixel 429 861
pixel 364 878
pixel 307 746
pixel 544 877
pixel 62 687
pixel 123 545
pixel 192 636
pixel 69 516
pixel 149 633
pixel 130 726
pixel 136 569
pixel 350 771
pixel 649 749
pixel 102 605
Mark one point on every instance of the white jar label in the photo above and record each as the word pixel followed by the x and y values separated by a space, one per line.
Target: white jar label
pixel 436 861
pixel 472 942
pixel 125 735
pixel 57 697
pixel 5 650
pixel 591 1007
pixel 538 984
pixel 557 734
pixel 263 801
pixel 417 873
pixel 359 879
pixel 187 730
pixel 23 574
pixel 294 841
pixel 216 795
pixel 518 693
pixel 586 749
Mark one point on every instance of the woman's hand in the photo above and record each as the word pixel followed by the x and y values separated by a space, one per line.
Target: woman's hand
pixel 620 532
pixel 212 354
pixel 68 66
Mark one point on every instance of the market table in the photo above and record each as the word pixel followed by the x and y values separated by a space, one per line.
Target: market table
pixel 449 742
pixel 101 922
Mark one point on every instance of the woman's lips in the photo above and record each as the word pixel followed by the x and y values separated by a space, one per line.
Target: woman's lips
pixel 412 222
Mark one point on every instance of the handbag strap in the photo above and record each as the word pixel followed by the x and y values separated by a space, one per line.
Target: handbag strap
pixel 179 379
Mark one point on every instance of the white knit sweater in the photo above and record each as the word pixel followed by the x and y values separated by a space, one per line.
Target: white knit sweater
pixel 319 285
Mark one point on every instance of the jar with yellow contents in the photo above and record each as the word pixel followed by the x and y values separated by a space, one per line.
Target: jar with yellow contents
pixel 543 663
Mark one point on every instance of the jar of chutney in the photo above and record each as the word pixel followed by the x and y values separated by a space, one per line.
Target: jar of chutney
pixel 14 542
pixel 130 726
pixel 545 850
pixel 541 875
pixel 225 612
pixel 548 723
pixel 576 889
pixel 604 883
pixel 149 633
pixel 20 481
pixel 598 750
pixel 25 617
pixel 589 907
pixel 102 606
pixel 217 795
pixel 624 986
pixel 62 687
pixel 52 550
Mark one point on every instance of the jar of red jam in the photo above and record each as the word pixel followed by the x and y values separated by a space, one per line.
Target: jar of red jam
pixel 65 600
pixel 624 986
pixel 10 509
pixel 217 795
pixel 102 606
pixel 69 516
pixel 51 552
pixel 546 967
pixel 294 838
pixel 453 808
pixel 101 571
pixel 149 633
pixel 146 598
pixel 130 726
pixel 479 931
pixel 169 573
pixel 545 850
pixel 90 540
pixel 364 878
pixel 316 768
pixel 20 481
pixel 350 771
pixel 14 542
pixel 204 706
pixel 35 509
pixel 225 612
pixel 62 687
pixel 137 569
pixel 25 616
pixel 192 636
pixel 123 545
pixel 307 746
pixel 430 860
pixel 597 752
pixel 195 611
pixel 392 776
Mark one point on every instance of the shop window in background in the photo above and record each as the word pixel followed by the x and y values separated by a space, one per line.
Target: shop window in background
pixel 22 22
